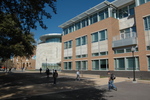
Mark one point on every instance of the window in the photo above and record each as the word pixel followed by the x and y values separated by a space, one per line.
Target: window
pixel 95 54
pixel 95 65
pixel 147 23
pixel 93 19
pixel 84 22
pixel 84 40
pixel 78 42
pixel 77 26
pixel 95 37
pixel 85 55
pixel 143 1
pixel 78 56
pixel 103 64
pixel 65 45
pixel 78 65
pixel 131 9
pixel 132 62
pixel 120 64
pixel 148 62
pixel 118 51
pixel 67 65
pixel 103 35
pixel 103 53
pixel 126 11
pixel 70 44
pixel 103 14
pixel 84 65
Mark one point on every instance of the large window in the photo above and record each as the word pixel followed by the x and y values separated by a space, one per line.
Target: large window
pixel 85 22
pixel 99 36
pixel 93 19
pixel 81 41
pixel 101 64
pixel 81 65
pixel 84 40
pixel 147 23
pixel 103 14
pixel 95 65
pixel 78 41
pixel 102 35
pixel 120 64
pixel 68 44
pixel 126 11
pixel 68 65
pixel 127 63
pixel 95 37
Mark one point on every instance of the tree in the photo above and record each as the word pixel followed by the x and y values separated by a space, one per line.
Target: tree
pixel 28 12
pixel 14 41
pixel 18 17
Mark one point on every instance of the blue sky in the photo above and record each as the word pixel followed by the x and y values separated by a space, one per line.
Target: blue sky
pixel 66 10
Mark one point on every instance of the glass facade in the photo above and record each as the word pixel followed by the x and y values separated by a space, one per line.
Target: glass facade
pixel 51 66
pixel 87 21
pixel 53 40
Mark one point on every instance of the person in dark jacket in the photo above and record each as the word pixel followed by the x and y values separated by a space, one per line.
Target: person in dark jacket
pixel 55 75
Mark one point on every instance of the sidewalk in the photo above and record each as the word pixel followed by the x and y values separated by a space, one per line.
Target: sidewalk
pixel 103 81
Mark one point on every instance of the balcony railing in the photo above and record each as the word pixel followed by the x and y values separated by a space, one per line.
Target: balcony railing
pixel 124 39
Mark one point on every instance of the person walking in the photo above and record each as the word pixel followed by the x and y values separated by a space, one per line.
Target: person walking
pixel 47 72
pixel 40 70
pixel 78 75
pixel 55 75
pixel 111 81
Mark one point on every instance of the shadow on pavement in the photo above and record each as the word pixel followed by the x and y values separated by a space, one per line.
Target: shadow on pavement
pixel 36 86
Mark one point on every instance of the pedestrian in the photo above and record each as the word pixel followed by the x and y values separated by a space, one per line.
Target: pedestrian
pixel 55 75
pixel 78 75
pixel 47 72
pixel 40 70
pixel 111 81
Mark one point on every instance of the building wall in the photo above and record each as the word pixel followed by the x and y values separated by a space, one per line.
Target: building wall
pixel 141 40
pixel 140 12
pixel 48 53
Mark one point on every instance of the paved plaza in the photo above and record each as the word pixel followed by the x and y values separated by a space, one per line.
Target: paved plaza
pixel 35 86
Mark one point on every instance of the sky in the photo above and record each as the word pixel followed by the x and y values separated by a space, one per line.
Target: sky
pixel 66 10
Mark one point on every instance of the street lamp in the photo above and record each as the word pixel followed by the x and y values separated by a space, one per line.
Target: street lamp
pixel 133 50
pixel 46 62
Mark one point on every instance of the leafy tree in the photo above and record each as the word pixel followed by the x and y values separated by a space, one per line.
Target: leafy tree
pixel 18 17
pixel 28 12
pixel 13 41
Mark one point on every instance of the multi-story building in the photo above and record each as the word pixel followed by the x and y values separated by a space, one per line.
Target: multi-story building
pixel 111 36
pixel 48 52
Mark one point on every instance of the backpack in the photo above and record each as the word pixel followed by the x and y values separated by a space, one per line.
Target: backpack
pixel 113 77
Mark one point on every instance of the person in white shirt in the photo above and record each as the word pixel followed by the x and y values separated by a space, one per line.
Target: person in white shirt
pixel 78 75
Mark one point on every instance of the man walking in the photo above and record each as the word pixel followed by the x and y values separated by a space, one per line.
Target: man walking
pixel 78 75
pixel 111 81
pixel 55 75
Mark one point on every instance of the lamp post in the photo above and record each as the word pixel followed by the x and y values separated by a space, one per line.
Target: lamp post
pixel 133 50
pixel 46 62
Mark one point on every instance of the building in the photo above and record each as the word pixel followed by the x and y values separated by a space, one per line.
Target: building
pixel 48 52
pixel 111 36
pixel 23 63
